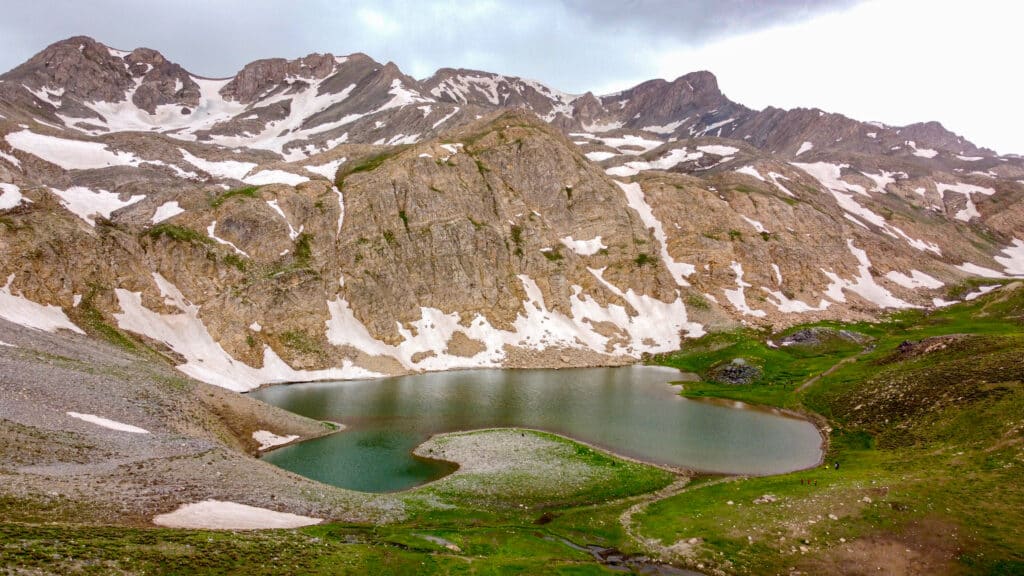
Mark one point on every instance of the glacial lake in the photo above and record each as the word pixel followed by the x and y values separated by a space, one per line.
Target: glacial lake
pixel 632 411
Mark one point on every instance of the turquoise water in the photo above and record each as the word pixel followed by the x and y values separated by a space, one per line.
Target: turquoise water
pixel 631 411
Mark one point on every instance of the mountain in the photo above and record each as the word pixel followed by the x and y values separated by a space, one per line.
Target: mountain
pixel 332 217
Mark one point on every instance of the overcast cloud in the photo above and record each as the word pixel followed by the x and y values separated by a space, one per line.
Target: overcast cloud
pixel 896 61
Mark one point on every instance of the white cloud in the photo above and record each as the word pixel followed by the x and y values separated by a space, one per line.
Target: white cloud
pixel 377 22
pixel 897 61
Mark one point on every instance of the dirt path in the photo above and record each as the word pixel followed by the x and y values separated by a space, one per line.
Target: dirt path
pixel 679 550
pixel 810 381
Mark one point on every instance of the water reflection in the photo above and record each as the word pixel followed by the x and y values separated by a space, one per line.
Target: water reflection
pixel 631 411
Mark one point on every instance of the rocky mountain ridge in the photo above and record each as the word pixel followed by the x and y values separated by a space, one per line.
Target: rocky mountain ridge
pixel 331 217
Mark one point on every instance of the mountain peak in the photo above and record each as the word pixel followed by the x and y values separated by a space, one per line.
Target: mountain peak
pixel 261 75
pixel 700 81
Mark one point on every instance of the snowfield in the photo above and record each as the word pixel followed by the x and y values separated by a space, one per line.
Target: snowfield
pixel 220 515
pixel 70 154
pixel 206 360
pixel 88 204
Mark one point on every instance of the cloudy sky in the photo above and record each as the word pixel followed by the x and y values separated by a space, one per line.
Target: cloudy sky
pixel 895 61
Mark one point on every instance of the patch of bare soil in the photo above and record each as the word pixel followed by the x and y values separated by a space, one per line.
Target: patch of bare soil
pixel 927 547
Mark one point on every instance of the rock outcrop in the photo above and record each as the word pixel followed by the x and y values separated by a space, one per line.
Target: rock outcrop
pixel 331 217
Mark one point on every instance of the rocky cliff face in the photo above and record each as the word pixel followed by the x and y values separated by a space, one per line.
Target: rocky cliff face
pixel 331 217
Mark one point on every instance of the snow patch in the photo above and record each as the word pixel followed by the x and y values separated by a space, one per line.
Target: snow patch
pixel 205 359
pixel 666 129
pixel 21 310
pixel 975 270
pixel 737 297
pixel 225 169
pixel 1013 262
pixel 718 150
pixel 87 204
pixel 881 180
pixel 70 154
pixel 268 439
pixel 584 247
pixel 787 306
pixel 111 424
pixel 599 156
pixel 328 170
pixel 757 225
pixel 219 515
pixel 292 232
pixel 751 171
pixel 970 210
pixel 863 284
pixel 651 326
pixel 711 127
pixel 666 162
pixel 604 126
pixel 165 211
pixel 829 175
pixel 264 177
pixel 915 280
pixel 10 196
pixel 211 232
pixel 981 291
pixel 630 143
pixel 922 152
pixel 10 158
pixel 805 147
pixel 775 180
pixel 635 199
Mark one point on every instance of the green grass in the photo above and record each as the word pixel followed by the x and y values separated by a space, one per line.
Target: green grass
pixel 301 342
pixel 782 369
pixel 929 443
pixel 325 550
pixel 235 261
pixel 303 249
pixel 932 439
pixel 496 524
pixel 517 239
pixel 644 259
pixel 92 320
pixel 246 192
pixel 564 473
pixel 553 255
pixel 697 301
pixel 368 164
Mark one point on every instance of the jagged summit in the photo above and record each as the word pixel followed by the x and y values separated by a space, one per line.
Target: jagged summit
pixel 322 98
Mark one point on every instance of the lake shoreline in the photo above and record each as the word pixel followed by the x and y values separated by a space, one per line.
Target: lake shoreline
pixel 628 412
